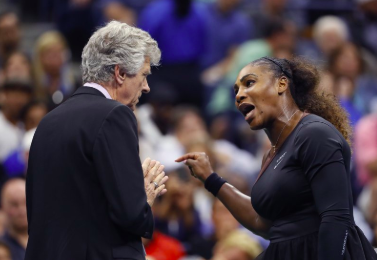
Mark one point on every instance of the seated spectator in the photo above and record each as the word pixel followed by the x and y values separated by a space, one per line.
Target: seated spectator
pixel 17 67
pixel 189 129
pixel 75 19
pixel 330 33
pixel 5 253
pixel 174 213
pixel 13 201
pixel 54 78
pixel 221 44
pixel 237 246
pixel 15 96
pixel 267 10
pixel 224 223
pixel 33 113
pixel 357 89
pixel 363 24
pixel 9 34
pixel 163 247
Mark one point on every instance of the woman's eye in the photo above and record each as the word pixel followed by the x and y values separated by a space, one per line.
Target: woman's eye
pixel 250 82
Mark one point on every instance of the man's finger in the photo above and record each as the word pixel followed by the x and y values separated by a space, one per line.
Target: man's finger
pixel 160 188
pixel 161 179
pixel 162 192
pixel 145 165
pixel 152 172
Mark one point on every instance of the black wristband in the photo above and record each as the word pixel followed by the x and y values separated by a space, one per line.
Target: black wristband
pixel 213 183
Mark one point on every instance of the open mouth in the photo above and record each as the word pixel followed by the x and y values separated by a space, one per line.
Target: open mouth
pixel 246 108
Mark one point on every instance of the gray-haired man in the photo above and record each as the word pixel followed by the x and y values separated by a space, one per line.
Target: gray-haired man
pixel 86 194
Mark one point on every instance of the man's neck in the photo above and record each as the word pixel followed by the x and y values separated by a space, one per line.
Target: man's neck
pixel 20 236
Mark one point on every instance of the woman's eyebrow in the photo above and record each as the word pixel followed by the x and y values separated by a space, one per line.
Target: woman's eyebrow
pixel 250 74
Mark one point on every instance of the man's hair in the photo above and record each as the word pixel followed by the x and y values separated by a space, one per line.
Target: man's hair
pixel 117 44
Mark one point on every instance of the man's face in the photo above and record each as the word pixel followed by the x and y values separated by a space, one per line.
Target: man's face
pixel 14 204
pixel 134 86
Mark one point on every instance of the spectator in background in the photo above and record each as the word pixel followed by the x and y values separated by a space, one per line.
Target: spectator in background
pixel 75 19
pixel 221 44
pixel 264 11
pixel 33 113
pixel 17 66
pixel 123 9
pixel 189 130
pixel 15 96
pixel 280 34
pixel 175 214
pixel 366 163
pixel 54 78
pixel 224 223
pixel 330 33
pixel 237 246
pixel 356 88
pixel 16 163
pixel 13 201
pixel 9 34
pixel 364 24
pixel 179 28
pixel 5 253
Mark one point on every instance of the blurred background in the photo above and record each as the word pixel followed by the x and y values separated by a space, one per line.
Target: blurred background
pixel 204 45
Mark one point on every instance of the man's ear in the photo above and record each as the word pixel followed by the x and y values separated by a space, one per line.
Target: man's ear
pixel 120 76
pixel 283 85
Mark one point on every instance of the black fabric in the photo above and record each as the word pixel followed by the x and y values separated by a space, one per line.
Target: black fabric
pixel 306 193
pixel 85 188
pixel 213 183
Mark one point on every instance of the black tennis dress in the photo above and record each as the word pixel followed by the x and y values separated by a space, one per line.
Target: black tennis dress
pixel 305 191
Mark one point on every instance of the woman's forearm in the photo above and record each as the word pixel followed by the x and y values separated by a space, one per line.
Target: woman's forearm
pixel 240 206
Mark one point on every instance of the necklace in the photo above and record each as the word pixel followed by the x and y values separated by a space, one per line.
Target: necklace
pixel 274 146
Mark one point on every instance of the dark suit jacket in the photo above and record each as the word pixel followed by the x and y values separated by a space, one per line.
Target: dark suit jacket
pixel 85 187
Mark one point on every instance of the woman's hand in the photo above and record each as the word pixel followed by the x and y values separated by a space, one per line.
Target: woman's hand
pixel 154 179
pixel 198 163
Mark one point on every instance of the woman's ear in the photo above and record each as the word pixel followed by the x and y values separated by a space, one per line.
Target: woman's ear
pixel 283 84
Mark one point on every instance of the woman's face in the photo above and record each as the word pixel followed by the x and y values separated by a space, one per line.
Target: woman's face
pixel 348 62
pixel 52 59
pixel 257 96
pixel 18 66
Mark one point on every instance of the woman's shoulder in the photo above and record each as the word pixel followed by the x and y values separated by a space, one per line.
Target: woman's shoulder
pixel 317 128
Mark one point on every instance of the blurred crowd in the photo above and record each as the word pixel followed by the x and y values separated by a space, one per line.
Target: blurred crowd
pixel 204 45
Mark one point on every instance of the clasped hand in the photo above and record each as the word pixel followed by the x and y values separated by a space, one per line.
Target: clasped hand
pixel 154 179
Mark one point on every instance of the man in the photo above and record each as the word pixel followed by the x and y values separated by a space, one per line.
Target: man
pixel 85 189
pixel 13 203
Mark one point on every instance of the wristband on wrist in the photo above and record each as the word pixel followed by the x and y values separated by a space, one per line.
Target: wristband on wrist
pixel 213 183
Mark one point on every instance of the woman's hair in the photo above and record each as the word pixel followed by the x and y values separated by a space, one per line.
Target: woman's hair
pixel 304 79
pixel 117 44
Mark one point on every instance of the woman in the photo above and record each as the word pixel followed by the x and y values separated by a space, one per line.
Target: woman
pixel 55 79
pixel 301 200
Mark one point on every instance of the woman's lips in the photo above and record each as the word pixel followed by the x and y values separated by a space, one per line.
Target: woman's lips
pixel 249 116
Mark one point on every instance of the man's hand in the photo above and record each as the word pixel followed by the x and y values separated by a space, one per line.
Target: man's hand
pixel 154 179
